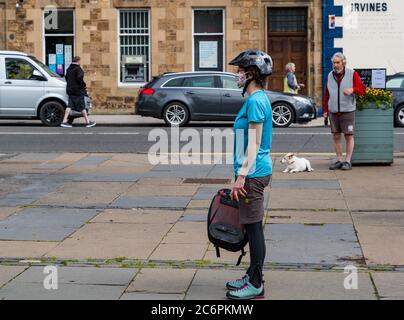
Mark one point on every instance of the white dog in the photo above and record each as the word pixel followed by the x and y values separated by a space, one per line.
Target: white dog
pixel 296 164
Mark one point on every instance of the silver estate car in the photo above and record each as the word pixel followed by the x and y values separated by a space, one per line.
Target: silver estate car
pixel 30 90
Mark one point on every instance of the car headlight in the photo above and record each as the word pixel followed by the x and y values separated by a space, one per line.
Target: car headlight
pixel 303 100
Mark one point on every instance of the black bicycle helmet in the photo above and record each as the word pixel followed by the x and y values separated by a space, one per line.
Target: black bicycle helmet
pixel 260 59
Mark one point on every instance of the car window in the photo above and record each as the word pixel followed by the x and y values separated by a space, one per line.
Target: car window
pixel 45 67
pixel 19 69
pixel 199 82
pixel 229 82
pixel 395 83
pixel 174 83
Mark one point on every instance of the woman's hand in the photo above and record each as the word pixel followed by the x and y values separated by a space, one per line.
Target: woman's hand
pixel 238 189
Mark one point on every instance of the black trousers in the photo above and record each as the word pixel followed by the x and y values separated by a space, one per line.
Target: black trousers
pixel 256 242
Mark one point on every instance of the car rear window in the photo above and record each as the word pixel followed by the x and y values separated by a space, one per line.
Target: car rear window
pixel 152 82
pixel 174 83
pixel 395 83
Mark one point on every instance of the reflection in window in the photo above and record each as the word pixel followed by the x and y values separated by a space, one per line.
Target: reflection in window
pixel 17 69
pixel 396 83
pixel 229 83
pixel 200 82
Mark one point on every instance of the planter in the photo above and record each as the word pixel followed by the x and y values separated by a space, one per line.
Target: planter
pixel 374 135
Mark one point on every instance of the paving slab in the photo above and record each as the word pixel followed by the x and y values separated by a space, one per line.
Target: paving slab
pixel 25 249
pixel 195 217
pixel 199 204
pixel 187 232
pixel 7 273
pixel 305 184
pixel 51 224
pixel 291 285
pixel 51 166
pixel 34 157
pixel 68 157
pixel 159 181
pixel 314 175
pixel 210 284
pixel 145 190
pixel 308 217
pixel 301 204
pixel 162 281
pixel 152 296
pixel 374 203
pixel 121 177
pixel 36 291
pixel 390 285
pixel 313 194
pixel 382 244
pixel 6 212
pixel 151 202
pixel 138 215
pixel 111 240
pixel 179 251
pixel 92 160
pixel 318 244
pixel 81 276
pixel 85 194
pixel 205 193
pixel 393 219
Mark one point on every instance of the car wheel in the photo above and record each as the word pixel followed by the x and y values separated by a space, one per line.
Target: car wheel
pixel 176 114
pixel 51 113
pixel 399 116
pixel 282 115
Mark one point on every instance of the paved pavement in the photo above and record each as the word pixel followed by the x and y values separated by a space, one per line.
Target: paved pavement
pixel 118 227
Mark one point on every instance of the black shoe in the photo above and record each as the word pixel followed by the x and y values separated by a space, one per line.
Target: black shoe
pixel 346 166
pixel 337 165
pixel 66 125
pixel 91 124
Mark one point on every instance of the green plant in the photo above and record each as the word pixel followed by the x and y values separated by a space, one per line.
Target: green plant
pixel 382 99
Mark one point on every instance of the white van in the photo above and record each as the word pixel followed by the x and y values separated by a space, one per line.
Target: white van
pixel 30 90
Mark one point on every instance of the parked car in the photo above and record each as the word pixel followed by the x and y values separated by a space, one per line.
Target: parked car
pixel 182 97
pixel 30 90
pixel 395 84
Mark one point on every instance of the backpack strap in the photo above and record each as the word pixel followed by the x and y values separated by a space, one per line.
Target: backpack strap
pixel 217 251
pixel 240 257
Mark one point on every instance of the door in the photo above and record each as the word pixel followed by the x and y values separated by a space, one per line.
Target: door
pixel 231 95
pixel 203 96
pixel 287 42
pixel 20 89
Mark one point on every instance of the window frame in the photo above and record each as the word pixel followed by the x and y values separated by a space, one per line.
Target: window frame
pixel 216 80
pixel 401 85
pixel 149 73
pixel 223 34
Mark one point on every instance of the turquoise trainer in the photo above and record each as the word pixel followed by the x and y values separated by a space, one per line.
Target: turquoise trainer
pixel 237 284
pixel 247 292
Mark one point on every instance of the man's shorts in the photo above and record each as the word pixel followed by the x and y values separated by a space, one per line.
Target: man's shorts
pixel 77 103
pixel 343 122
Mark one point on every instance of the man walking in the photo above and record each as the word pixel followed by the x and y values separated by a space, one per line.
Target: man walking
pixel 343 84
pixel 76 89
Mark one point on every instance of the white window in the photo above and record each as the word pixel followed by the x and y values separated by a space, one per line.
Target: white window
pixel 58 38
pixel 134 46
pixel 208 35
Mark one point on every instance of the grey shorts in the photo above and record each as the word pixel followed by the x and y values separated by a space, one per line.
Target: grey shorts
pixel 343 123
pixel 251 208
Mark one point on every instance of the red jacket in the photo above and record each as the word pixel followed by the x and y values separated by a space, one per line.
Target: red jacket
pixel 358 86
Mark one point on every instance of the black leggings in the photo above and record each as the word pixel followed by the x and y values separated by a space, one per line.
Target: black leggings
pixel 256 241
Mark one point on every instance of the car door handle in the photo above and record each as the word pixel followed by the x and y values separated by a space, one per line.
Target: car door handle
pixel 190 92
pixel 8 82
pixel 227 95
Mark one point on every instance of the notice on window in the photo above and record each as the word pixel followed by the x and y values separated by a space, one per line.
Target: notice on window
pixel 379 78
pixel 52 62
pixel 208 54
pixel 68 56
pixel 59 49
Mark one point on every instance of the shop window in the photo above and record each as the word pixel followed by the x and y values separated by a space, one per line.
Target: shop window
pixel 59 39
pixel 208 33
pixel 134 44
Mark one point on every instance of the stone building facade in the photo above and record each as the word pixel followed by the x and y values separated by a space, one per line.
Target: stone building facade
pixel 99 33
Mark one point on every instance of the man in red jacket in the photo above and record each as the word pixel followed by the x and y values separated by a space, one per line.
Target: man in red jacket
pixel 343 85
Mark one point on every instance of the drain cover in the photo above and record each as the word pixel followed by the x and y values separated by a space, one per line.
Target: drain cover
pixel 207 181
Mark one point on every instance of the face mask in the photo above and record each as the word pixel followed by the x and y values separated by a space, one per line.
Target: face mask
pixel 241 79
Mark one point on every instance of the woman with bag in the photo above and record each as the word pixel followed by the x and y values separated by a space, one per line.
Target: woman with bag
pixel 252 166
